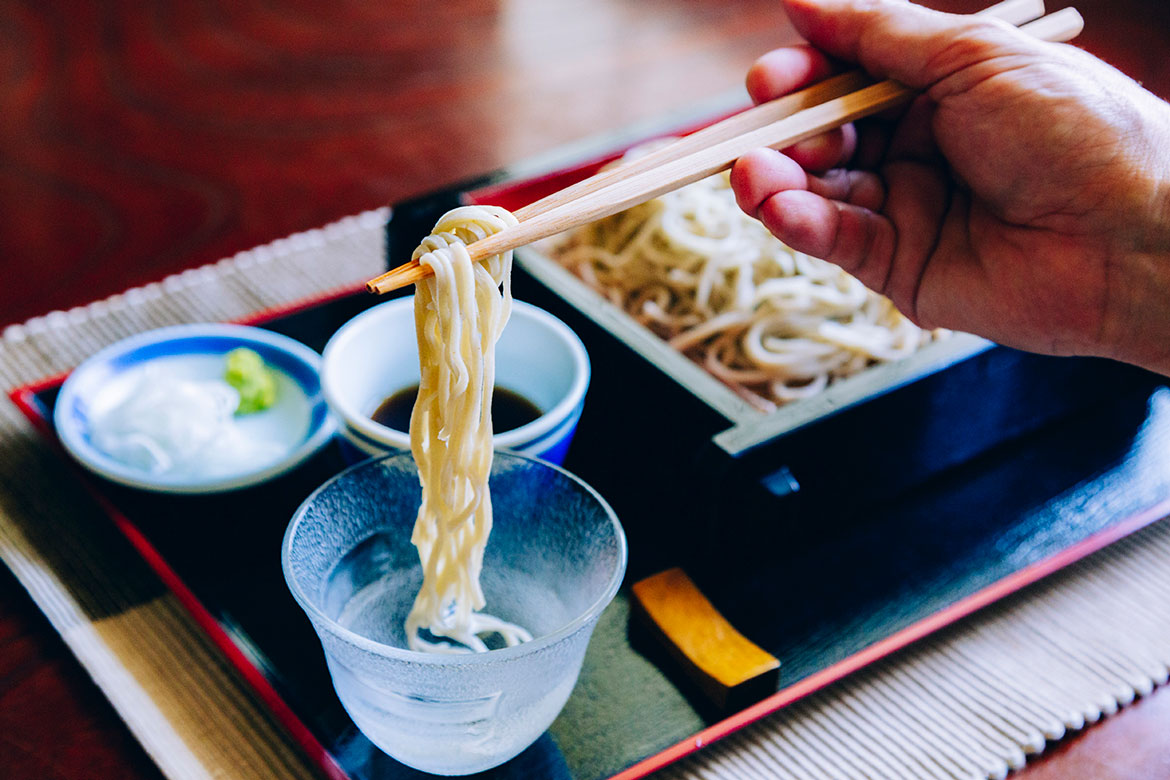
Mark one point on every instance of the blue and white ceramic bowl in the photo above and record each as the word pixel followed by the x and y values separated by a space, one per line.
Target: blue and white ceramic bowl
pixel 375 355
pixel 296 426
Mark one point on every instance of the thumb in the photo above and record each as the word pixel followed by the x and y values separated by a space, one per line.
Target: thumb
pixel 895 39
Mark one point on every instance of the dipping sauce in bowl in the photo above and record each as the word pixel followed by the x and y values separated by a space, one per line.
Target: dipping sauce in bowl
pixel 370 376
pixel 509 410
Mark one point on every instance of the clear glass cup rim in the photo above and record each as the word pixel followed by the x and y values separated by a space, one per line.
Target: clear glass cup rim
pixel 460 659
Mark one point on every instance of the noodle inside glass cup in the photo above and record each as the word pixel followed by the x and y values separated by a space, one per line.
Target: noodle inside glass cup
pixel 555 559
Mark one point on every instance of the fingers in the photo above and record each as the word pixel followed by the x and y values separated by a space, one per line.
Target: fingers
pixel 857 188
pixel 822 152
pixel 859 240
pixel 833 217
pixel 918 202
pixel 913 137
pixel 900 40
pixel 884 230
pixel 786 70
pixel 762 173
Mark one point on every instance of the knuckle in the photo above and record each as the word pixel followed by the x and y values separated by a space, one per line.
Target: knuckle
pixel 974 44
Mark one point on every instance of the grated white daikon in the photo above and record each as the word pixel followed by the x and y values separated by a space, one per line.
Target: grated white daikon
pixel 181 427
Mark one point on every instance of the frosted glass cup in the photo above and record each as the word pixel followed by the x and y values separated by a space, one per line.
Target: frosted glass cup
pixel 555 559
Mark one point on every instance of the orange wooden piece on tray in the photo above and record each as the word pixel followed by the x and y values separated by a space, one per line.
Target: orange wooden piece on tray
pixel 727 666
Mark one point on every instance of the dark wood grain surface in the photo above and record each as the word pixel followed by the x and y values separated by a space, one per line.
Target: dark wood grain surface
pixel 140 139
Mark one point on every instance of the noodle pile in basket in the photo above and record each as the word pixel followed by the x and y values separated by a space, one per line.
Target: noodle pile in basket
pixel 773 324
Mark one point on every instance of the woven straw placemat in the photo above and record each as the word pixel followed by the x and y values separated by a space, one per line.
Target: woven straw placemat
pixel 970 702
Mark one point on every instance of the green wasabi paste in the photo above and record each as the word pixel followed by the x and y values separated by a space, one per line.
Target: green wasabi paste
pixel 253 380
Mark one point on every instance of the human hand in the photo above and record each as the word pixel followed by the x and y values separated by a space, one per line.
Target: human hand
pixel 1024 196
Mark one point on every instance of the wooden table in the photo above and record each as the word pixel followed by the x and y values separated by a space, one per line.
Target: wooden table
pixel 137 140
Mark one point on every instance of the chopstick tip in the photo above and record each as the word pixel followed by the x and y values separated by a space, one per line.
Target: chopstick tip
pixel 396 278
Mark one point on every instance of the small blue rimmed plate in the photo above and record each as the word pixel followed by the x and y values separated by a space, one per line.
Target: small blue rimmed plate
pixel 272 441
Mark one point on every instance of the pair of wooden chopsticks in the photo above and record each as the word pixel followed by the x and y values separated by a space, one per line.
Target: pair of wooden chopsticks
pixel 778 123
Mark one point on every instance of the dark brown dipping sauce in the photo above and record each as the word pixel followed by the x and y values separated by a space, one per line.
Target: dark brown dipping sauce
pixel 509 410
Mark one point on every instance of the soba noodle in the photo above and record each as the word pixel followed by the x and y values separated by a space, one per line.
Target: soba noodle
pixel 459 314
pixel 773 324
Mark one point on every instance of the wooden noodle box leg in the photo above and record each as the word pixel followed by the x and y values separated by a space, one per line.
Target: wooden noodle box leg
pixel 728 668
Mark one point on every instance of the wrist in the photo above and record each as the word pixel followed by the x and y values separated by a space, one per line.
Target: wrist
pixel 1138 328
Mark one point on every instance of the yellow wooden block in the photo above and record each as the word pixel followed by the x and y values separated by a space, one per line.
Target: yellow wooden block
pixel 727 666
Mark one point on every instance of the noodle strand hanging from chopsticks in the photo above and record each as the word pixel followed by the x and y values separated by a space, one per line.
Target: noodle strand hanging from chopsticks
pixel 459 314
